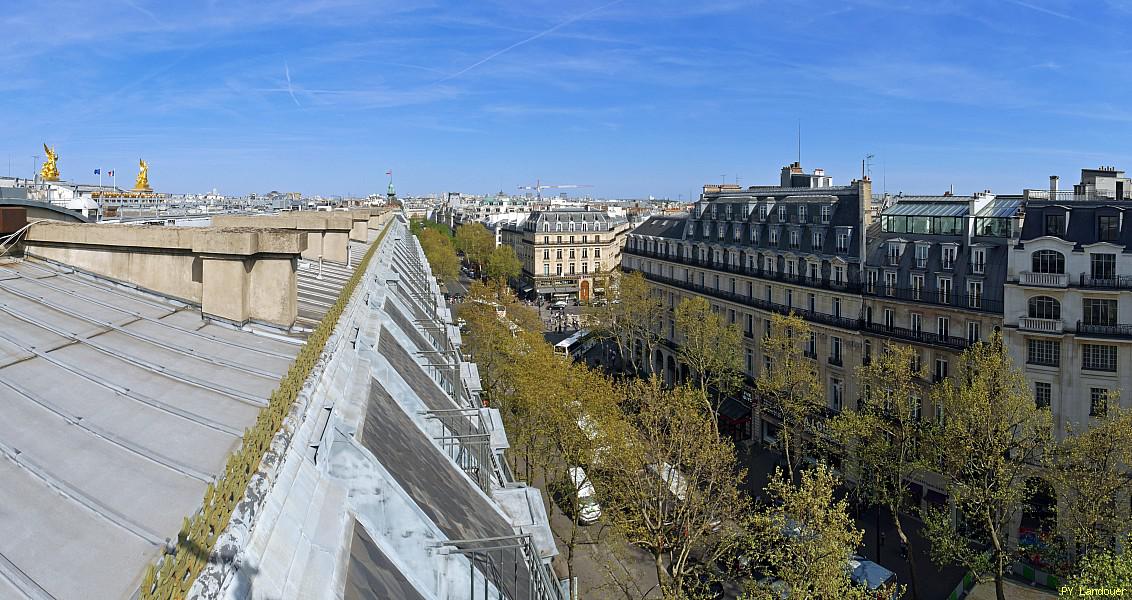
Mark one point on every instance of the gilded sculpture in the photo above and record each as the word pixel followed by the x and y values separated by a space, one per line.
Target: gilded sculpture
pixel 50 170
pixel 142 182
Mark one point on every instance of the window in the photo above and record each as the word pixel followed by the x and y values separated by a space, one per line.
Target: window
pixel 922 255
pixel 773 237
pixel 812 345
pixel 811 302
pixel 974 294
pixel 750 329
pixel 789 297
pixel 890 283
pixel 1043 392
pixel 1047 261
pixel 558 254
pixel 1098 357
pixel 871 281
pixel 546 254
pixel 838 274
pixel 781 213
pixel 571 253
pixel 762 212
pixel 794 243
pixel 949 257
pixel 546 269
pixel 825 213
pixel 750 362
pixel 817 240
pixel 889 319
pixel 769 293
pixel 917 287
pixel 974 332
pixel 1043 352
pixel 1055 224
pixel 558 269
pixel 842 241
pixel 1102 266
pixel 917 322
pixel 1044 307
pixel 867 357
pixel 837 307
pixel 917 362
pixel 940 370
pixel 571 268
pixel 801 213
pixel 978 260
pixel 943 326
pixel 755 235
pixel 836 392
pixel 893 253
pixel 585 252
pixel 597 252
pixel 585 267
pixel 1108 228
pixel 1098 402
pixel 545 238
pixel 835 349
pixel 943 287
pixel 1100 311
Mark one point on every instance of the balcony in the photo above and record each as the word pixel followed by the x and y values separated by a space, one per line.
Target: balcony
pixel 1116 282
pixel 1122 330
pixel 943 298
pixel 836 361
pixel 1043 279
pixel 1040 325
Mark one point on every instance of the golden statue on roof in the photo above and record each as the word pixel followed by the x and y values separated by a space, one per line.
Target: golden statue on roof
pixel 50 170
pixel 142 182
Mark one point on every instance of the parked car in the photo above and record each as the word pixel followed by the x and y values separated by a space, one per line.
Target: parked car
pixel 873 576
pixel 589 511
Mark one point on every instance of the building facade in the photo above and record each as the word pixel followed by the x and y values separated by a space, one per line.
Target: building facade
pixel 1068 312
pixel 925 271
pixel 566 253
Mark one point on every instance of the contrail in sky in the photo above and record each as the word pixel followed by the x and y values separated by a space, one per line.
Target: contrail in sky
pixel 290 90
pixel 528 40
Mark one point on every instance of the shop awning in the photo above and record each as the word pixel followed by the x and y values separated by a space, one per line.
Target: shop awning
pixel 734 410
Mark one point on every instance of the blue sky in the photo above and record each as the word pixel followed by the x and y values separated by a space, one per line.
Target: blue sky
pixel 633 97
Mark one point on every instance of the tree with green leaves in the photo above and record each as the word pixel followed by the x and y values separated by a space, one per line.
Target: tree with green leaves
pixel 804 538
pixel 670 483
pixel 1103 569
pixel 990 437
pixel 502 265
pixel 1089 470
pixel 475 241
pixel 790 388
pixel 713 351
pixel 633 315
pixel 882 438
pixel 440 253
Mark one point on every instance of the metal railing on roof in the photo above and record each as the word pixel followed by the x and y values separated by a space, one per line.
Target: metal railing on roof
pixel 498 560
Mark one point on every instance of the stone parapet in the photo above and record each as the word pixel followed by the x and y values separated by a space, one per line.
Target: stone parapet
pixel 236 274
pixel 328 233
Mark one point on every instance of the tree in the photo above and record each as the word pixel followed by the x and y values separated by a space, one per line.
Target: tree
pixel 990 437
pixel 502 265
pixel 440 254
pixel 882 439
pixel 475 241
pixel 712 350
pixel 1090 473
pixel 1105 569
pixel 805 538
pixel 669 482
pixel 632 316
pixel 790 387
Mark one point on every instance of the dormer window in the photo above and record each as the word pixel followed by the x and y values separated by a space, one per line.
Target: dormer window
pixel 817 241
pixel 826 211
pixel 843 241
pixel 893 253
pixel 762 212
pixel 949 257
pixel 781 213
pixel 978 260
pixel 773 237
pixel 801 213
pixel 922 255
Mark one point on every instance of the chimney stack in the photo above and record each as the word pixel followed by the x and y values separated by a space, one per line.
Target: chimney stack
pixel 1053 180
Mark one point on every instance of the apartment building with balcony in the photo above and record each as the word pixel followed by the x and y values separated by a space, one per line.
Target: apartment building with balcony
pixel 758 251
pixel 566 253
pixel 1068 298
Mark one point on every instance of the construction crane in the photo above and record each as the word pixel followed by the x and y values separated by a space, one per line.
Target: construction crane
pixel 539 186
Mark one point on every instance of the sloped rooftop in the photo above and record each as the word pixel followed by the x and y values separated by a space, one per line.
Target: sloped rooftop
pixel 119 408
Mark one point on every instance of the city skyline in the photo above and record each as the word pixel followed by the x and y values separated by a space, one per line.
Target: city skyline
pixel 325 97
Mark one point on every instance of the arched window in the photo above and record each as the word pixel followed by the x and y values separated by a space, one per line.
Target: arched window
pixel 1048 261
pixel 1044 307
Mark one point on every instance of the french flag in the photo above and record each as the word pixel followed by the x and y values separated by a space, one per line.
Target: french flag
pixel 110 173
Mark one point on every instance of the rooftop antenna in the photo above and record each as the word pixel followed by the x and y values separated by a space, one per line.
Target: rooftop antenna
pixel 799 142
pixel 867 166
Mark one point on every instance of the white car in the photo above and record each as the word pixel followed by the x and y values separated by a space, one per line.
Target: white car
pixel 589 511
